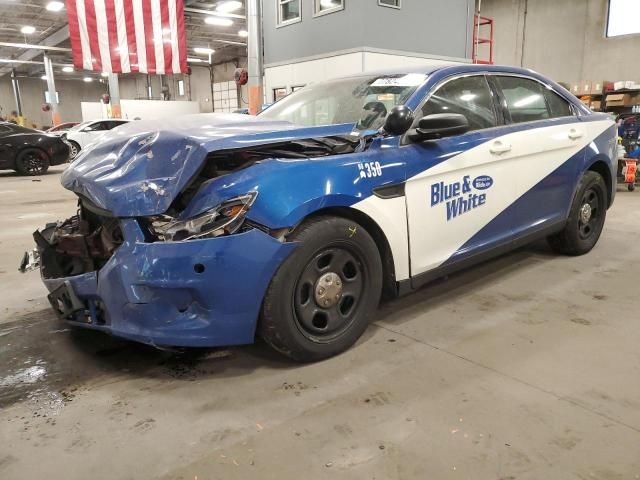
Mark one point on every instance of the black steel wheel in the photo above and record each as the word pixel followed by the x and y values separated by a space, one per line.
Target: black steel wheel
pixel 328 293
pixel 32 161
pixel 325 293
pixel 586 217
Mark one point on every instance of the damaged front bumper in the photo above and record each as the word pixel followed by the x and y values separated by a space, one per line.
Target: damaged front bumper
pixel 196 293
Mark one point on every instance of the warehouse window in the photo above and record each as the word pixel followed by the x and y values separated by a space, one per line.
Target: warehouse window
pixel 322 7
pixel 288 12
pixel 622 18
pixel 468 96
pixel 389 3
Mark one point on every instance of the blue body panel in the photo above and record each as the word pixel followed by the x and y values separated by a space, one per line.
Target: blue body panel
pixel 152 293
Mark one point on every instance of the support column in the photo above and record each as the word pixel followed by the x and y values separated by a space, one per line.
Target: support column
pixel 149 90
pixel 254 55
pixel 16 92
pixel 114 96
pixel 51 87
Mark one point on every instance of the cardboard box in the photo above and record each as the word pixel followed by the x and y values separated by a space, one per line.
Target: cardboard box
pixel 596 105
pixel 624 85
pixel 622 100
pixel 598 86
pixel 575 88
pixel 585 87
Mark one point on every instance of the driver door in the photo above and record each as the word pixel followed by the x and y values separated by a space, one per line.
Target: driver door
pixel 458 187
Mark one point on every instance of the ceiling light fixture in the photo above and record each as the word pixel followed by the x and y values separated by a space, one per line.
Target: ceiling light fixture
pixel 218 21
pixel 55 6
pixel 105 74
pixel 43 77
pixel 230 6
pixel 87 79
pixel 67 69
pixel 204 50
pixel 194 60
pixel 28 30
pixel 243 33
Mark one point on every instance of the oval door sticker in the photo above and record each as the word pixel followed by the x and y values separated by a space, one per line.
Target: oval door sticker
pixel 482 182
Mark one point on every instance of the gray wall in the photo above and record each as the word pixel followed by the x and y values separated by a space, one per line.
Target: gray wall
pixel 563 39
pixel 71 93
pixel 434 27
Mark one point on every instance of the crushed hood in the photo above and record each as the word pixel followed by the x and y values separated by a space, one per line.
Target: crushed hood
pixel 139 168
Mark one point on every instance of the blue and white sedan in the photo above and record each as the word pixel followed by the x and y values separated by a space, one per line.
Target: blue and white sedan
pixel 208 230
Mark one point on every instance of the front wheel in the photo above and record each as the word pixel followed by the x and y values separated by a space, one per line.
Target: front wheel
pixel 586 217
pixel 74 150
pixel 324 295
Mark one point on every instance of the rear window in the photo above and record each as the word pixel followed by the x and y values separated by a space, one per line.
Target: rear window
pixel 525 99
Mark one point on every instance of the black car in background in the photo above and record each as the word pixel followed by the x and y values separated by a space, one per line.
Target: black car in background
pixel 28 151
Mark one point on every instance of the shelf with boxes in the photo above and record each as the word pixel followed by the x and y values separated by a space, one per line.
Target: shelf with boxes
pixel 603 96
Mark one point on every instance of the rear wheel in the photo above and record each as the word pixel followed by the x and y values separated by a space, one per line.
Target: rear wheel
pixel 586 218
pixel 32 161
pixel 324 295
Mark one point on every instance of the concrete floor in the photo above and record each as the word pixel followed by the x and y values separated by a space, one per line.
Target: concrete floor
pixel 527 367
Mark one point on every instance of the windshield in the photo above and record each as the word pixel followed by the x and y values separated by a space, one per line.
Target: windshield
pixel 363 101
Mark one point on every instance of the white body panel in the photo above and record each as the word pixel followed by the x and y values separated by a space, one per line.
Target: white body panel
pixel 516 162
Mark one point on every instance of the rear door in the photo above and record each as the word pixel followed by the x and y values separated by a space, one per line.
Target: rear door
pixel 458 186
pixel 546 147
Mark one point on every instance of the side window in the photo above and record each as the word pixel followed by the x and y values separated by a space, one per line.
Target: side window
pixel 95 127
pixel 525 99
pixel 469 96
pixel 559 106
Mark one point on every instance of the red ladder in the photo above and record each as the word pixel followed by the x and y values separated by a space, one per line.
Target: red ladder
pixel 481 27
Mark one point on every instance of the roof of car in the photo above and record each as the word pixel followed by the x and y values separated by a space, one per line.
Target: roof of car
pixel 454 67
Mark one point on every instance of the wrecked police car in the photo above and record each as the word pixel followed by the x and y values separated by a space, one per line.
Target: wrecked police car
pixel 208 230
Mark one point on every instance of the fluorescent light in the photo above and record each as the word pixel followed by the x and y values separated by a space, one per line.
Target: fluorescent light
pixel 43 77
pixel 55 6
pixel 243 33
pixel 219 21
pixel 204 50
pixel 105 74
pixel 28 29
pixel 67 69
pixel 194 60
pixel 87 79
pixel 230 6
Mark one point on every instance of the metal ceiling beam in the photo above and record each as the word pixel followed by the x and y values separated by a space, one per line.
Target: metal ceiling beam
pixel 213 13
pixel 34 47
pixel 52 40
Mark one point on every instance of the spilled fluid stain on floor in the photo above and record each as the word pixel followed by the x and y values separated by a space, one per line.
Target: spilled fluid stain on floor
pixel 45 362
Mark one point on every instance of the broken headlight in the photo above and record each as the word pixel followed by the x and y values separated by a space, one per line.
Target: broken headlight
pixel 225 219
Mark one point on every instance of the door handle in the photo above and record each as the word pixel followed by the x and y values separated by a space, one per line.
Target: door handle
pixel 575 134
pixel 499 148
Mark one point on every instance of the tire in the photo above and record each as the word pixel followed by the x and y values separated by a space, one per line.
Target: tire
pixel 31 162
pixel 322 298
pixel 74 150
pixel 586 217
pixel 631 187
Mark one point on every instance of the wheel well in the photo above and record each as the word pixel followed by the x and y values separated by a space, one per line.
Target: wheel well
pixel 389 286
pixel 29 147
pixel 603 170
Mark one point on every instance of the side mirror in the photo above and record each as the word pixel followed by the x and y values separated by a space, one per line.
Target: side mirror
pixel 439 125
pixel 399 120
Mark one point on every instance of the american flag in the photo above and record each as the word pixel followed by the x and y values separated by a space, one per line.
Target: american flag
pixel 122 36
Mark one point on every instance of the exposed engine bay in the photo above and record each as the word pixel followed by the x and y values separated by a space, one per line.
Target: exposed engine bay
pixel 80 244
pixel 224 162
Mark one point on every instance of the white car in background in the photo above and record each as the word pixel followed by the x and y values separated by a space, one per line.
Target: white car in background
pixel 85 133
